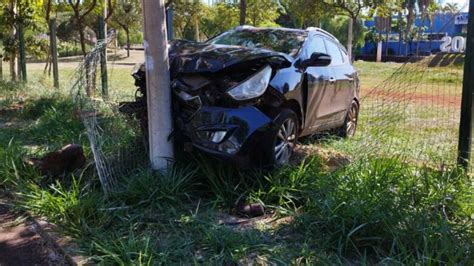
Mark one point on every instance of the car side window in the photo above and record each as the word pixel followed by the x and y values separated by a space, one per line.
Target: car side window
pixel 315 45
pixel 334 52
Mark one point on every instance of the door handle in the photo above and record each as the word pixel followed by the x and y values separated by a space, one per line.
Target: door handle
pixel 332 80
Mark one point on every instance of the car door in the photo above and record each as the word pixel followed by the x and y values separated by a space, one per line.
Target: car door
pixel 343 79
pixel 319 87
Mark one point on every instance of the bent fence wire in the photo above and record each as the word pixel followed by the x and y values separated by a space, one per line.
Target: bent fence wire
pixel 116 141
pixel 413 114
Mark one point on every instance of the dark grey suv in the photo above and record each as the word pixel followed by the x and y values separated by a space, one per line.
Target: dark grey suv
pixel 249 93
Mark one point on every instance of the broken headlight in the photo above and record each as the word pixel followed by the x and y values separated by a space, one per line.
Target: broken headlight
pixel 253 87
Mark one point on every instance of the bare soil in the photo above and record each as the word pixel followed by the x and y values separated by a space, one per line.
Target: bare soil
pixel 20 244
pixel 441 100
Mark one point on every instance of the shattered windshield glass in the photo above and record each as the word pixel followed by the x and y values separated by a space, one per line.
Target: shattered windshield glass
pixel 288 42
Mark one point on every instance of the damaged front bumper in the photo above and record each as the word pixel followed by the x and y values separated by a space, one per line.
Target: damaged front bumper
pixel 225 133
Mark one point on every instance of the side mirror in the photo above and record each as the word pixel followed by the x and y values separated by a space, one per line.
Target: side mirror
pixel 317 60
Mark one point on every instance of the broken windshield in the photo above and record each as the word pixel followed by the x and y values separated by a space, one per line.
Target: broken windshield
pixel 284 41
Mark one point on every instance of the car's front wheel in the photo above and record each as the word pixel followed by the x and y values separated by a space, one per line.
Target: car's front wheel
pixel 281 143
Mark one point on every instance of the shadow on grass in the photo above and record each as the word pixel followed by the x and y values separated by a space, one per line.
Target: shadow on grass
pixel 377 210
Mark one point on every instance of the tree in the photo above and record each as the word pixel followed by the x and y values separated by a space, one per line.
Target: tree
pixel 128 15
pixel 262 12
pixel 186 18
pixel 219 18
pixel 80 10
pixel 304 13
pixel 16 15
pixel 243 12
pixel 10 42
pixel 353 9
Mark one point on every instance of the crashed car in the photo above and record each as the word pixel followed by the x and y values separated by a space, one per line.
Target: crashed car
pixel 248 94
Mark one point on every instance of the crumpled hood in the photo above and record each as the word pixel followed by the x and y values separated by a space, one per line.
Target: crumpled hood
pixel 194 57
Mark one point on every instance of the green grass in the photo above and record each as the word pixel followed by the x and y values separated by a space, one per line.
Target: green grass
pixel 379 209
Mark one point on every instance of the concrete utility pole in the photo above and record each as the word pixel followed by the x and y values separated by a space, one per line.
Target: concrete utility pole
pixel 160 123
pixel 467 109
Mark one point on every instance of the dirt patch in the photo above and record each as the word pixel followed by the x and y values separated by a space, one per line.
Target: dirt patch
pixel 417 98
pixel 332 159
pixel 20 244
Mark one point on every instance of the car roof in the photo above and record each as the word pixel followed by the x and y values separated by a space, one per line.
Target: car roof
pixel 307 30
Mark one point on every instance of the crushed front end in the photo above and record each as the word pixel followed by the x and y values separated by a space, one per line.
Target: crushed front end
pixel 210 121
pixel 222 100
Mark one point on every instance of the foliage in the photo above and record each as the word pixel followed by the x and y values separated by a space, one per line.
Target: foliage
pixel 127 15
pixel 186 18
pixel 338 26
pixel 219 18
pixel 305 13
pixel 374 211
pixel 262 12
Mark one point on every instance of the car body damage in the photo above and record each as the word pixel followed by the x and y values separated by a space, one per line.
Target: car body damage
pixel 229 100
pixel 187 57
pixel 204 113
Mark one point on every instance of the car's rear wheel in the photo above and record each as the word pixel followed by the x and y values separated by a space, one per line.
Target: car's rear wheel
pixel 281 143
pixel 349 128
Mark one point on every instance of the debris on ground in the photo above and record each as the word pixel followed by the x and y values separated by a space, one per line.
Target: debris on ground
pixel 66 160
pixel 332 159
pixel 250 210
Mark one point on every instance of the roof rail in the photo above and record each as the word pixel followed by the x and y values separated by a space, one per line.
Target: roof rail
pixel 243 27
pixel 320 30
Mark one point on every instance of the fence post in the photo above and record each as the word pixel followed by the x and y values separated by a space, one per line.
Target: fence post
pixel 465 126
pixel 21 36
pixel 103 59
pixel 54 51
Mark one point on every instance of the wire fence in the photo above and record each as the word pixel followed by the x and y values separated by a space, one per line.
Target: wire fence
pixel 413 114
pixel 117 143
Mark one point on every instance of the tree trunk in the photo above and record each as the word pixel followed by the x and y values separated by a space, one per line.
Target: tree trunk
pixel 243 11
pixel 13 57
pixel 82 38
pixel 48 60
pixel 379 52
pixel 1 67
pixel 196 30
pixel 350 38
pixel 379 48
pixel 127 32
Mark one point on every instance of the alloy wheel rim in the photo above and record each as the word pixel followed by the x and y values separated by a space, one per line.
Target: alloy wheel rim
pixel 351 121
pixel 286 142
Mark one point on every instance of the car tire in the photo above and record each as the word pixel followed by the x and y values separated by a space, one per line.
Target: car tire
pixel 349 128
pixel 280 143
